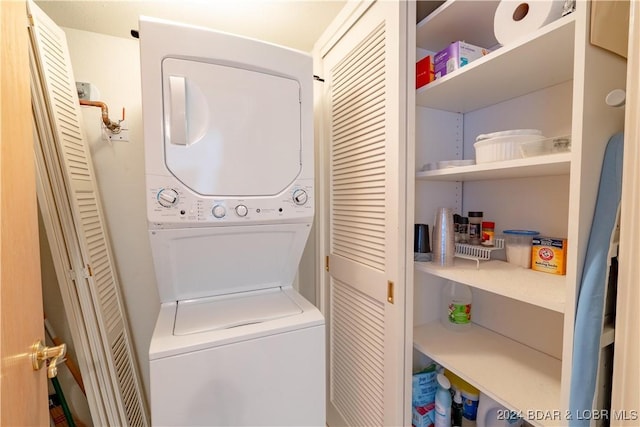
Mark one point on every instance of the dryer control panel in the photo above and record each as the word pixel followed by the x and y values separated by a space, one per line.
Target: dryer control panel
pixel 171 205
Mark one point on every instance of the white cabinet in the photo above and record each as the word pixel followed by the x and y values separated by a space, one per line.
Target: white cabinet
pixel 520 349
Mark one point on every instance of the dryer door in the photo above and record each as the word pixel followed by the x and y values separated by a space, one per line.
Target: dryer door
pixel 230 131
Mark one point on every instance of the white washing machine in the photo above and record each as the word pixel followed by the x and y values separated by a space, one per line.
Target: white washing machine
pixel 229 173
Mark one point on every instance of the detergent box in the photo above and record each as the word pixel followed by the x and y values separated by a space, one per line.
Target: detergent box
pixel 424 386
pixel 549 254
pixel 455 56
pixel 423 416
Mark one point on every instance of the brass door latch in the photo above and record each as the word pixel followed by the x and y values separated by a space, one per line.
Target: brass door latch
pixel 40 354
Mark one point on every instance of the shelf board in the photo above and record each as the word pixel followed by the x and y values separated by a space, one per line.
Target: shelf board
pixel 471 21
pixel 502 278
pixel 548 165
pixel 511 71
pixel 516 376
pixel 608 336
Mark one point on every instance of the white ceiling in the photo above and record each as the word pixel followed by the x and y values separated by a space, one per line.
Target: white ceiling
pixel 293 23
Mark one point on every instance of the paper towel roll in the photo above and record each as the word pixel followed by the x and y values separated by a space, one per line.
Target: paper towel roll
pixel 517 18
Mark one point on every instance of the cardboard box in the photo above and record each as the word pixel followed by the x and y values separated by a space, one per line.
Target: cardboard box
pixel 549 255
pixel 424 72
pixel 424 387
pixel 455 56
pixel 423 416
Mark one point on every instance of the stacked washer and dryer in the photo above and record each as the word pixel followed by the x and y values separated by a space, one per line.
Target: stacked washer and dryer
pixel 229 175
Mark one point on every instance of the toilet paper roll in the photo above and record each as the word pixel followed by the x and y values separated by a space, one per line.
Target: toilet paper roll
pixel 515 18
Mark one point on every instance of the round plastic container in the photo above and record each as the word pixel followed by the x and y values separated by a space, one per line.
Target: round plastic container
pixel 518 244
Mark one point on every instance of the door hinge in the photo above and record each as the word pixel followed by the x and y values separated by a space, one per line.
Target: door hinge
pixel 390 291
pixel 326 262
pixel 88 271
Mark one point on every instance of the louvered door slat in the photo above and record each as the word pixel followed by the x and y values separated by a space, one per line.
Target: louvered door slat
pixel 362 72
pixel 108 363
pixel 357 388
pixel 358 195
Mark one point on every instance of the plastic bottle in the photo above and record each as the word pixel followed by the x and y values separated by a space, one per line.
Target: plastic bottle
pixel 488 231
pixel 443 402
pixel 456 410
pixel 475 227
pixel 463 230
pixel 456 306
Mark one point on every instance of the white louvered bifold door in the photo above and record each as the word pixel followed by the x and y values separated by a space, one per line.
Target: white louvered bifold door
pixel 73 218
pixel 365 95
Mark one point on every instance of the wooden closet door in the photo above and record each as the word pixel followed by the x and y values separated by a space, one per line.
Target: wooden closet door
pixel 365 111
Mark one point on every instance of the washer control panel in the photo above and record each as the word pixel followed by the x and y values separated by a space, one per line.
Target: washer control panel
pixel 171 204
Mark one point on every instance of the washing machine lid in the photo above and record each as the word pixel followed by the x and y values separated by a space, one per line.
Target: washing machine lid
pixel 230 311
pixel 195 263
pixel 229 129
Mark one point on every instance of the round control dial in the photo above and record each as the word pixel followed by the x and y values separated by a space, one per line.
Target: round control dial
pixel 300 197
pixel 219 211
pixel 241 210
pixel 167 197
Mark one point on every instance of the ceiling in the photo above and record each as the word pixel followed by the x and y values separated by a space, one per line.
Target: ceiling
pixel 293 23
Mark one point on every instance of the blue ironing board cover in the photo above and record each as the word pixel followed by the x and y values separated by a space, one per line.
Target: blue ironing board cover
pixel 589 313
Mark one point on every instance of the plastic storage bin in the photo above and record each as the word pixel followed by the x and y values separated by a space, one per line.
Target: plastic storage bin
pixel 518 243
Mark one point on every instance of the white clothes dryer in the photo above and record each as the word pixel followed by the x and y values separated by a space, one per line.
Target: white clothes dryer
pixel 229 175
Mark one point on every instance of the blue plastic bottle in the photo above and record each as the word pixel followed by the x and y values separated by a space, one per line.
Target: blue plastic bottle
pixel 443 402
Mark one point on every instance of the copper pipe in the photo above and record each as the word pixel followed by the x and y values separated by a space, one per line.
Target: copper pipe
pixel 111 125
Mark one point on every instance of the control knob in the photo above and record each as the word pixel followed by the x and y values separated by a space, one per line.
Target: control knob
pixel 300 197
pixel 242 210
pixel 219 211
pixel 167 197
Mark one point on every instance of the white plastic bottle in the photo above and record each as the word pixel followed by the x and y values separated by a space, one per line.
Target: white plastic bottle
pixel 456 306
pixel 443 402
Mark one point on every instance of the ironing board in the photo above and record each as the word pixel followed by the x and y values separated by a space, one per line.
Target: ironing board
pixel 601 247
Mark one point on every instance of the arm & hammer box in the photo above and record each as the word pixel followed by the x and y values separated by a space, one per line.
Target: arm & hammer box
pixel 549 255
pixel 455 56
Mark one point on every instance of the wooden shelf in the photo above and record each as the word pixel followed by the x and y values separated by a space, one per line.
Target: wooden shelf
pixel 508 72
pixel 502 278
pixel 549 165
pixel 514 375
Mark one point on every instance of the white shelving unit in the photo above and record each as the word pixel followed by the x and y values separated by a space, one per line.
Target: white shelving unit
pixel 461 92
pixel 499 277
pixel 498 367
pixel 508 366
pixel 552 164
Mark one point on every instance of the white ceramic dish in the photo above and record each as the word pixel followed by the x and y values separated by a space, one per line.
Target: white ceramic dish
pixel 502 147
pixel 508 133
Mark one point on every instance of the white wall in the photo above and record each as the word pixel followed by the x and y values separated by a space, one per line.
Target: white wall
pixel 111 64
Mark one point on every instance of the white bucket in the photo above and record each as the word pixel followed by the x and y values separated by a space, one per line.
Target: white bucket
pixel 492 414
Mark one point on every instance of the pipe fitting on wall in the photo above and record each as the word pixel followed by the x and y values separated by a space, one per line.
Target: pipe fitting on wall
pixel 114 127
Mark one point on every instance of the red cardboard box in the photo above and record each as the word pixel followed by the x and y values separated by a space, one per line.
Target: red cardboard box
pixel 424 71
